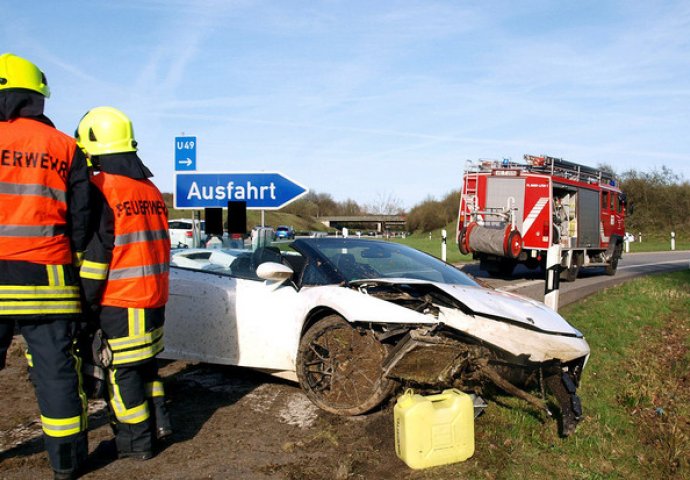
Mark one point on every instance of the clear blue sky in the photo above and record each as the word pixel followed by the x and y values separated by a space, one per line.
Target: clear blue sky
pixel 371 99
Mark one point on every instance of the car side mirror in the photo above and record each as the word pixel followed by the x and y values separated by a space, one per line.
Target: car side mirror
pixel 274 272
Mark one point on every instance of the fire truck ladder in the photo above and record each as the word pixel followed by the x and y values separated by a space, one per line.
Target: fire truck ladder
pixel 564 168
pixel 469 191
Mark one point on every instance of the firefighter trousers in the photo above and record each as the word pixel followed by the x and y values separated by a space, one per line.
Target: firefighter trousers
pixel 54 372
pixel 135 390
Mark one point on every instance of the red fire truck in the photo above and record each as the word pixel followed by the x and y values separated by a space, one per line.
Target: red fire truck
pixel 512 213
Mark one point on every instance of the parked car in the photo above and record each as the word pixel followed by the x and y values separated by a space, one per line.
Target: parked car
pixel 181 233
pixel 267 231
pixel 284 232
pixel 354 319
pixel 209 259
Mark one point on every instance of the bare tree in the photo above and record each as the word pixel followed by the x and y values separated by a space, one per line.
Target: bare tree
pixel 385 204
pixel 349 207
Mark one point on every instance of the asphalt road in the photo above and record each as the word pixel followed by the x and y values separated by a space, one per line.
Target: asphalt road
pixel 530 283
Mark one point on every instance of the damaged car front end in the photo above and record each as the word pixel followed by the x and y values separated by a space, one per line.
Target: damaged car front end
pixel 462 336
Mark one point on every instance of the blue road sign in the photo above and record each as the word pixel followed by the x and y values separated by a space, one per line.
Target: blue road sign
pixel 185 153
pixel 261 191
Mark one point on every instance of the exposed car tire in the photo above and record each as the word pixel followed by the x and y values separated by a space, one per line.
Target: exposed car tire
pixel 340 367
pixel 571 409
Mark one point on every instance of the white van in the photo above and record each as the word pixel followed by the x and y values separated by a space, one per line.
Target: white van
pixel 182 233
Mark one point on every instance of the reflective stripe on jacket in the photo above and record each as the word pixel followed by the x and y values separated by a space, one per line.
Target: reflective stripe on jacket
pixel 137 275
pixel 35 161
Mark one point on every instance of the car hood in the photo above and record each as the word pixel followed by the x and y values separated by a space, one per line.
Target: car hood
pixel 497 305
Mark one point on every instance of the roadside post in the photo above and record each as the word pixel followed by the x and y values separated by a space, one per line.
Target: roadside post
pixel 673 241
pixel 263 238
pixel 639 236
pixel 553 271
pixel 443 245
pixel 196 229
pixel 627 244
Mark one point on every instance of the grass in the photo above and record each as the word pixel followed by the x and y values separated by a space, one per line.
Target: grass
pixel 656 244
pixel 635 393
pixel 431 243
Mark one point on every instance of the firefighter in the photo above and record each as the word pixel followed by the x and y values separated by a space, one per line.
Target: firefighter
pixel 560 218
pixel 125 278
pixel 44 215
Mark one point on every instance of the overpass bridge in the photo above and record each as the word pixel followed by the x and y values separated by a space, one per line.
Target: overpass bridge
pixel 380 223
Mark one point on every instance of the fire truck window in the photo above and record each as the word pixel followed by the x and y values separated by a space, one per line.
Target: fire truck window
pixel 612 205
pixel 604 200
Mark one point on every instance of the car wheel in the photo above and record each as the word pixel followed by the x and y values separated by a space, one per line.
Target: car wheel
pixel 340 367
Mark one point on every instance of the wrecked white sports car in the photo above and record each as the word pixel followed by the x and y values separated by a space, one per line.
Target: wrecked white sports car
pixel 354 318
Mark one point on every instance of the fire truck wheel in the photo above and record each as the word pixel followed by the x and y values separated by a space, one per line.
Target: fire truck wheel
pixel 506 266
pixel 462 241
pixel 532 263
pixel 570 274
pixel 613 264
pixel 498 268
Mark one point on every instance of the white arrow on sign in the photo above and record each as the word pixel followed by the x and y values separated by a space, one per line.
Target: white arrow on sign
pixel 187 161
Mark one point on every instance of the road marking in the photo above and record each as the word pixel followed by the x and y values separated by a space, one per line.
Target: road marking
pixel 656 263
pixel 529 283
pixel 520 285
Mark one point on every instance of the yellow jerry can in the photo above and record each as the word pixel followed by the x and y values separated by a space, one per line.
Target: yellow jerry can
pixel 434 430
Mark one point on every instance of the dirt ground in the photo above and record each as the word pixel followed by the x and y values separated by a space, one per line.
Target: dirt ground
pixel 229 423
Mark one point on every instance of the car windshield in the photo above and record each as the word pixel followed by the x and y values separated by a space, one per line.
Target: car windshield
pixel 349 260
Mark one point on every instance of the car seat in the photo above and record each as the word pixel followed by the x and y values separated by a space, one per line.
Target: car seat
pixel 242 267
pixel 347 265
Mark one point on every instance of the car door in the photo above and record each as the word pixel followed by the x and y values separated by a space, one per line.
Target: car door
pixel 269 322
pixel 232 318
pixel 200 317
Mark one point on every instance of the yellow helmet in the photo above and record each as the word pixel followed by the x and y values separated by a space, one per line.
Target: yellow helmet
pixel 17 72
pixel 105 130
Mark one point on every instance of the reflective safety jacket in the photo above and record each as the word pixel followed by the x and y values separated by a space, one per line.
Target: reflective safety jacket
pixel 35 165
pixel 126 264
pixel 44 213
